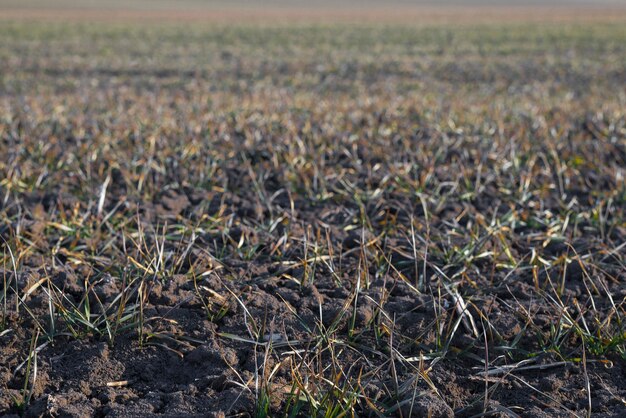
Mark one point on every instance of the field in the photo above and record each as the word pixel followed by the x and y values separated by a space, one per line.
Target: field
pixel 312 219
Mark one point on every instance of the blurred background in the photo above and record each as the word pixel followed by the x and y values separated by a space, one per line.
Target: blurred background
pixel 288 10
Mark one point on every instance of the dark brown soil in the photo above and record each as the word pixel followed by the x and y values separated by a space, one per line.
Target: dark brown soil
pixel 192 369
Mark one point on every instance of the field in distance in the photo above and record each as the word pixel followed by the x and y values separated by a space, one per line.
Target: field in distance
pixel 345 11
pixel 297 215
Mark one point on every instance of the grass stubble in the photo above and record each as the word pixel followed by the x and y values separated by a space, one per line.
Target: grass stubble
pixel 353 220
